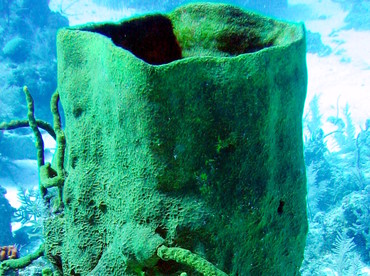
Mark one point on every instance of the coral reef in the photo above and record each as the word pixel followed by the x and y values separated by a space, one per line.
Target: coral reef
pixel 30 213
pixel 6 212
pixel 21 262
pixel 8 252
pixel 338 194
pixel 17 49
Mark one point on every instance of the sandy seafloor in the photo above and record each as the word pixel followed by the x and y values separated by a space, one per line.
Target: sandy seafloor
pixel 340 78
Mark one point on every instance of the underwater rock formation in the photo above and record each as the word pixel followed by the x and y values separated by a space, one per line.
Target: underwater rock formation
pixel 6 213
pixel 183 131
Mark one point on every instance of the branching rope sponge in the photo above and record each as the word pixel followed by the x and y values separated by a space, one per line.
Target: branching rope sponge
pixel 21 262
pixel 48 176
pixel 186 257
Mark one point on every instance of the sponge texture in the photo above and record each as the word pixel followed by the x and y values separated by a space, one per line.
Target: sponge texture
pixel 201 151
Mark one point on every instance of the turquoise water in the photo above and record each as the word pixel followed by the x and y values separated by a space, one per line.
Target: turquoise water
pixel 336 119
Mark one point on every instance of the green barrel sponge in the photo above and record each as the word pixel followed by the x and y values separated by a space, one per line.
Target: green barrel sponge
pixel 183 131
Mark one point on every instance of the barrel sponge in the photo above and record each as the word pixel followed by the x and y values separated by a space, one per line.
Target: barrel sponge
pixel 199 149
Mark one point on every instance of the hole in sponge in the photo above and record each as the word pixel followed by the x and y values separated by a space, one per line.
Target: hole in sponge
pixel 281 207
pixel 161 231
pixel 150 38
